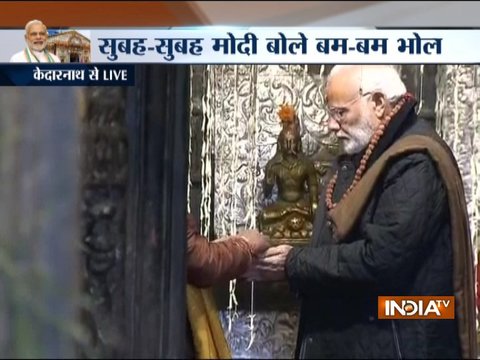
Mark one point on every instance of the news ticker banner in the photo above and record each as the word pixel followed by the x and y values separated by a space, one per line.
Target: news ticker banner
pixel 272 45
pixel 106 56
pixel 259 45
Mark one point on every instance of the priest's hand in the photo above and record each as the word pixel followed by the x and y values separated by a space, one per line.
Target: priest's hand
pixel 257 242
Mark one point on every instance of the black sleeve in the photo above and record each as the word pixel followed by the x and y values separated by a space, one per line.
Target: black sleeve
pixel 410 203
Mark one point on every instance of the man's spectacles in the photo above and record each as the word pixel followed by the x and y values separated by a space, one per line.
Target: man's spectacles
pixel 41 33
pixel 338 113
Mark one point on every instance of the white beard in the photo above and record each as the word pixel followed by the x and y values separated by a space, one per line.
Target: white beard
pixel 359 139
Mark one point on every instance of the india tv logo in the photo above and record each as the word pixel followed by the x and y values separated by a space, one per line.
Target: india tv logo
pixel 416 307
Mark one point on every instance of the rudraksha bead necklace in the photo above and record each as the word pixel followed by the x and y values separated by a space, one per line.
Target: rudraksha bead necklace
pixel 363 163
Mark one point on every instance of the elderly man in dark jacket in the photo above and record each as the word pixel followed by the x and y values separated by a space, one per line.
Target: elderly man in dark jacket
pixel 391 222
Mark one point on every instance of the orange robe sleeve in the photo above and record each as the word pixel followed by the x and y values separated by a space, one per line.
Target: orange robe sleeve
pixel 211 262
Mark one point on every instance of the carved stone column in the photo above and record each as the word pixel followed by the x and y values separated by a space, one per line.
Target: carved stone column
pixel 104 183
pixel 197 83
pixel 155 283
pixel 134 205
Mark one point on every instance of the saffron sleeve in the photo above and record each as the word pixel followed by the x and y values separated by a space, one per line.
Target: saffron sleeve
pixel 210 262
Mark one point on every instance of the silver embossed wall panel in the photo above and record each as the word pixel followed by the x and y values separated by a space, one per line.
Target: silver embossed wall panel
pixel 244 101
pixel 458 113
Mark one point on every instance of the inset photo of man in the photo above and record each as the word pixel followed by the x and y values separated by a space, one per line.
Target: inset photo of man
pixel 36 36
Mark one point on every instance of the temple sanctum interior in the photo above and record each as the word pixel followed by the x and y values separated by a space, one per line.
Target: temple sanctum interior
pixel 96 183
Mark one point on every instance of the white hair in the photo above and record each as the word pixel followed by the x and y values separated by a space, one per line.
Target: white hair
pixel 379 78
pixel 33 22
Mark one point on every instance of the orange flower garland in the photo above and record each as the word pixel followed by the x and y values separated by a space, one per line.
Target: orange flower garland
pixel 286 113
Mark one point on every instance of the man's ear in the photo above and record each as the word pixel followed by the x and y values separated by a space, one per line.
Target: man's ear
pixel 379 104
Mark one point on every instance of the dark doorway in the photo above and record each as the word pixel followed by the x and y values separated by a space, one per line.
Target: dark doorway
pixel 135 157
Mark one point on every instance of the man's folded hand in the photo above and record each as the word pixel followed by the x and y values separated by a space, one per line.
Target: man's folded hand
pixel 269 266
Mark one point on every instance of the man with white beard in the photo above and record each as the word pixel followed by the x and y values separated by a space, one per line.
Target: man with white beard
pixel 391 222
pixel 345 125
pixel 36 38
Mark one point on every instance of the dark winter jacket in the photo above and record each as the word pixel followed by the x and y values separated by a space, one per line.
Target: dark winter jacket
pixel 400 246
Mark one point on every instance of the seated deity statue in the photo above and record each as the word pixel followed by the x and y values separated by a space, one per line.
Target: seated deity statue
pixel 290 217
